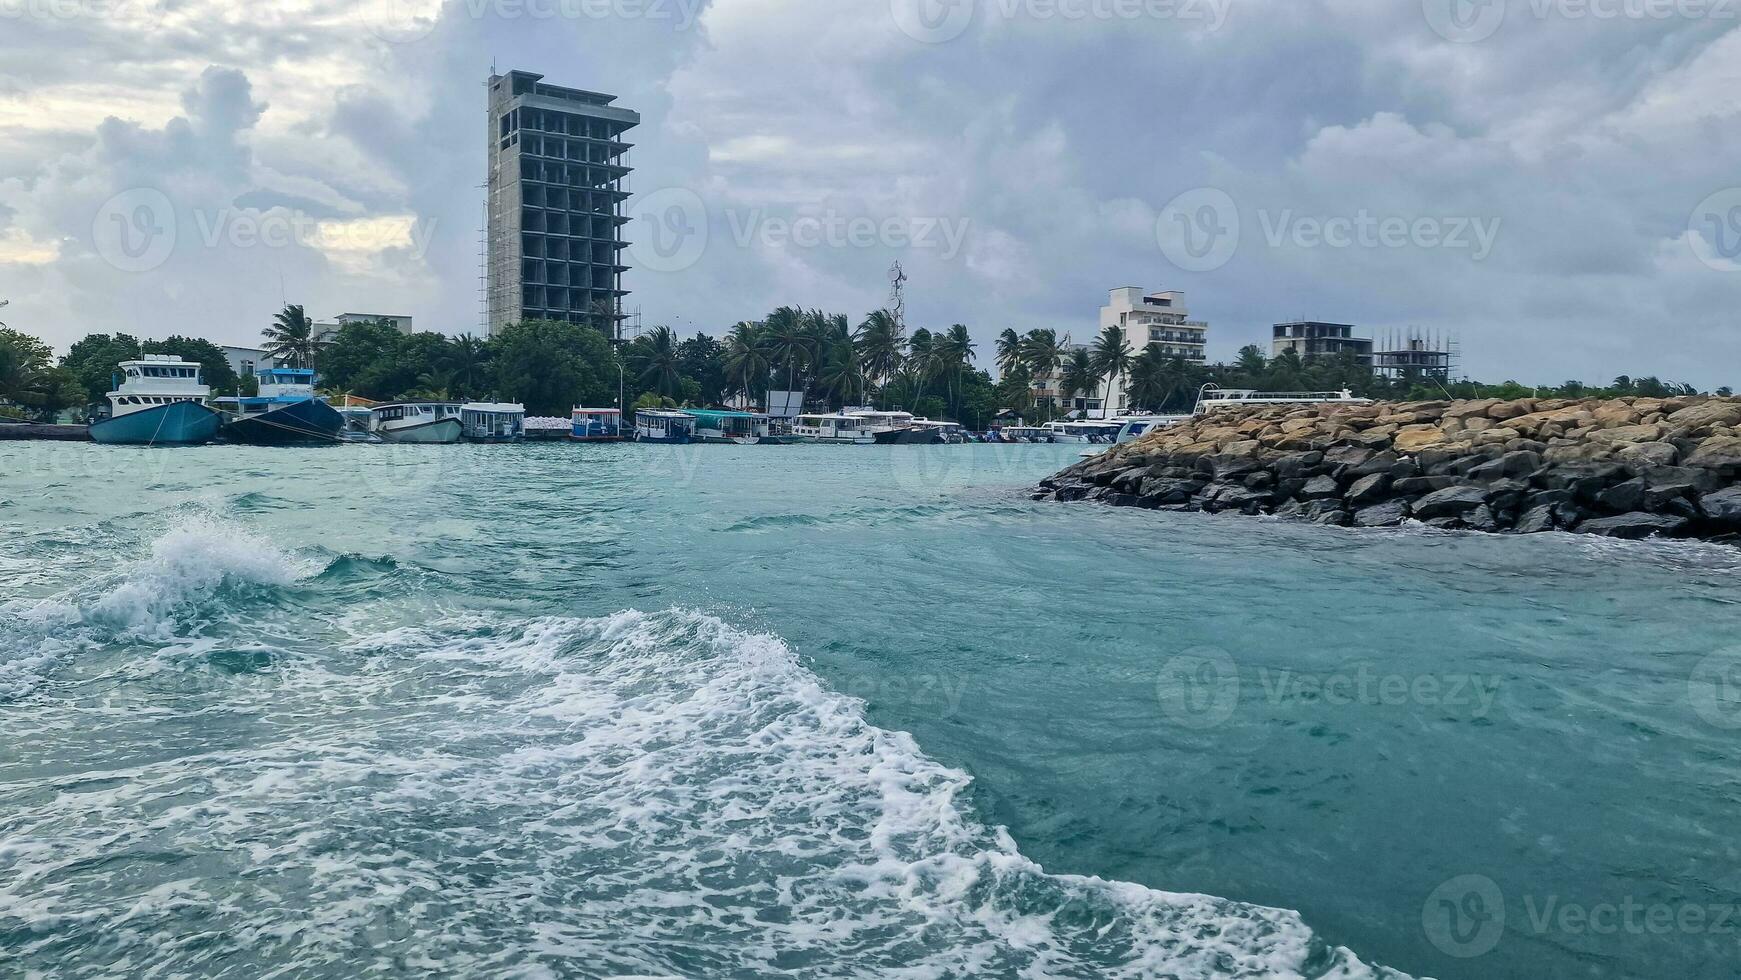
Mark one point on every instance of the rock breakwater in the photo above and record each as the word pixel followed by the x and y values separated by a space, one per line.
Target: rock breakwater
pixel 1626 468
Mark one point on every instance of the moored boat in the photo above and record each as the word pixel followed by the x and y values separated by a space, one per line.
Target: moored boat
pixel 1084 433
pixel 842 429
pixel 492 421
pixel 286 411
pixel 1213 397
pixel 596 425
pixel 1023 433
pixel 159 400
pixel 732 428
pixel 662 426
pixel 419 423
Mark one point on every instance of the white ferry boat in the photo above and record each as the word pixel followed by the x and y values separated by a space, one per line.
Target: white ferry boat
pixel 426 423
pixel 850 430
pixel 1212 398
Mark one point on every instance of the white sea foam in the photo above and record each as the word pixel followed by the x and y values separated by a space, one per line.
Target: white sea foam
pixel 144 599
pixel 644 794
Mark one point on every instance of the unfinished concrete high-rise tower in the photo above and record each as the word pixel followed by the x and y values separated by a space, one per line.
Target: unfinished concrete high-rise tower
pixel 558 179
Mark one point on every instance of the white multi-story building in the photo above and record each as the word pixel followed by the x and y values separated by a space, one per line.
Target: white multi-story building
pixel 1155 321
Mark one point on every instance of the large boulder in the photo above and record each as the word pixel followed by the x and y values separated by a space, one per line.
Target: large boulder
pixel 1718 452
pixel 1368 490
pixel 1382 515
pixel 1634 526
pixel 1449 502
pixel 1414 438
pixel 1723 507
pixel 1705 415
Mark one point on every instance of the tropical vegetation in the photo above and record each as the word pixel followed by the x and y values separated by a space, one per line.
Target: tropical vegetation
pixel 831 362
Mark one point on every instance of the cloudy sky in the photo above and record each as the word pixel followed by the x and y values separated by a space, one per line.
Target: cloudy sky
pixel 1553 181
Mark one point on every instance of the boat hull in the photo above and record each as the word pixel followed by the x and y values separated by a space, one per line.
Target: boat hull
pixel 176 424
pixel 312 421
pixel 910 437
pixel 443 432
pixel 683 440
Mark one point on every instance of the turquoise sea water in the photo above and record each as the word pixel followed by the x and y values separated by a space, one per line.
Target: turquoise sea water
pixel 818 711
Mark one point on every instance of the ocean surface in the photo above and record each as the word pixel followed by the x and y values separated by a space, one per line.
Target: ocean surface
pixel 598 711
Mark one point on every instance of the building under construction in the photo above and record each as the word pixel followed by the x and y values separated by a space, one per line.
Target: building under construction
pixel 558 177
pixel 1415 355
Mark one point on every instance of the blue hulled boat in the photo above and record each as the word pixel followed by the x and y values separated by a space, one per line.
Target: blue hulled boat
pixel 159 400
pixel 285 412
pixel 672 428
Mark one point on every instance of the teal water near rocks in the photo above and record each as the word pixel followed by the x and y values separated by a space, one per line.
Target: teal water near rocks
pixel 818 711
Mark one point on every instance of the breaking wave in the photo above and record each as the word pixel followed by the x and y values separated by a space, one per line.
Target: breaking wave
pixel 646 794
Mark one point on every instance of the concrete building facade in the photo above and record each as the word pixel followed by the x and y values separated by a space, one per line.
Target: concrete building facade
pixel 1316 338
pixel 1155 321
pixel 558 180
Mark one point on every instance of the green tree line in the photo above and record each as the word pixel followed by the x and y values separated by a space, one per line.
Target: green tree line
pixel 554 366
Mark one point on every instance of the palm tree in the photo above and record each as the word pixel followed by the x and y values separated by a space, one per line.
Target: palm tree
pixel 842 372
pixel 653 358
pixel 1250 363
pixel 955 354
pixel 1042 353
pixel 1111 359
pixel 1149 384
pixel 465 362
pixel 1009 351
pixel 1078 377
pixel 746 360
pixel 883 340
pixel 291 338
pixel 921 361
pixel 788 341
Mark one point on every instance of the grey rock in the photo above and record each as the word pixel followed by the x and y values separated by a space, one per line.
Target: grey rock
pixel 1622 498
pixel 1723 506
pixel 1482 519
pixel 1449 502
pixel 1320 487
pixel 1412 485
pixel 1537 520
pixel 1383 515
pixel 1368 490
pixel 1633 526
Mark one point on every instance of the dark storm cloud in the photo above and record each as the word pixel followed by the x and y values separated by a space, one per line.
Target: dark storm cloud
pixel 1556 173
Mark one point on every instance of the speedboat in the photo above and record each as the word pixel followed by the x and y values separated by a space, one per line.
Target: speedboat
pixel 159 400
pixel 1024 433
pixel 1140 425
pixel 422 423
pixel 285 411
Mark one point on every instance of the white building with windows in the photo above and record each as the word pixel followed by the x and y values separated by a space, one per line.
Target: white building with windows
pixel 1155 321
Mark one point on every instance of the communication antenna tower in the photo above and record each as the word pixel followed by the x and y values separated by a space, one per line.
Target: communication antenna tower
pixel 898 297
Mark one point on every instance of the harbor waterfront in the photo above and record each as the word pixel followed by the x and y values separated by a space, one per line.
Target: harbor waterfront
pixel 662 710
